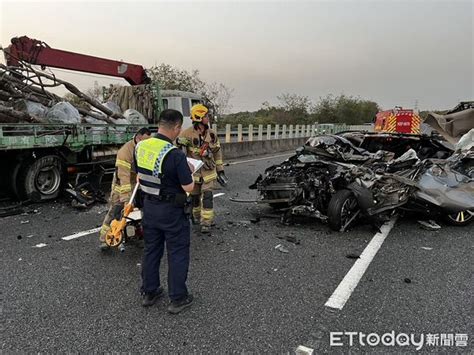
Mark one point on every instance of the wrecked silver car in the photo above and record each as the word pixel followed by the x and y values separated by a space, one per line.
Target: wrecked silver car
pixel 343 178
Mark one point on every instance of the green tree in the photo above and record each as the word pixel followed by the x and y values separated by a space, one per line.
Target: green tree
pixel 171 78
pixel 297 109
pixel 344 109
pixel 293 109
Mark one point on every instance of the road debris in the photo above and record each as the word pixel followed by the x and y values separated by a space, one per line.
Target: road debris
pixel 281 249
pixel 353 256
pixel 304 350
pixel 429 225
pixel 234 199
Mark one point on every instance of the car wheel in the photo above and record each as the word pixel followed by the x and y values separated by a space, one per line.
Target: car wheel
pixel 342 211
pixel 462 218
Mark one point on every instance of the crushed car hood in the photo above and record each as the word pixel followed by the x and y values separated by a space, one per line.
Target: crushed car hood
pixel 446 188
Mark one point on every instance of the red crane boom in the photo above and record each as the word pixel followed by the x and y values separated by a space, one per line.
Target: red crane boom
pixel 37 52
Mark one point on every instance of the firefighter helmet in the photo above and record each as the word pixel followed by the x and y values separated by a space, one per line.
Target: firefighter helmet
pixel 198 112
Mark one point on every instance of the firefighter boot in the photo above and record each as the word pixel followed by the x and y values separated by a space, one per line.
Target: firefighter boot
pixel 196 203
pixel 102 233
pixel 207 212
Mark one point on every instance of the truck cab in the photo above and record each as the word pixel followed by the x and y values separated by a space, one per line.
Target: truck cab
pixel 181 101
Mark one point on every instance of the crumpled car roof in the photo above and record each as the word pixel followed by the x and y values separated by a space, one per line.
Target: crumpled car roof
pixel 452 125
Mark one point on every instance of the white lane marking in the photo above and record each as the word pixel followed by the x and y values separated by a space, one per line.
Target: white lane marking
pixel 251 160
pixel 81 234
pixel 342 293
pixel 304 350
pixel 40 245
pixel 219 194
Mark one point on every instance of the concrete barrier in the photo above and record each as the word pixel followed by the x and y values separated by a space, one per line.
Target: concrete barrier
pixel 235 150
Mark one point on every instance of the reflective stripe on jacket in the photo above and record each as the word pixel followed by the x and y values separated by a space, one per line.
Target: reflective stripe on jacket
pixel 125 177
pixel 191 140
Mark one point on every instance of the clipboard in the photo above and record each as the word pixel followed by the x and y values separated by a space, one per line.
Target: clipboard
pixel 196 163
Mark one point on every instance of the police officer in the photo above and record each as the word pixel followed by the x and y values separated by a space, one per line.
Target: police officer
pixel 165 177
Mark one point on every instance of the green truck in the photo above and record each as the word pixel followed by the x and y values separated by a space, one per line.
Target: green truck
pixel 39 158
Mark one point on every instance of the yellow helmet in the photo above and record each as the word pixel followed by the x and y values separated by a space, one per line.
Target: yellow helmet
pixel 198 112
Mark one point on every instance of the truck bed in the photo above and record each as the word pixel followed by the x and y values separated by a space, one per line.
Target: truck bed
pixel 75 137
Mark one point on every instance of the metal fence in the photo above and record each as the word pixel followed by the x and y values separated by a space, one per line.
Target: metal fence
pixel 238 133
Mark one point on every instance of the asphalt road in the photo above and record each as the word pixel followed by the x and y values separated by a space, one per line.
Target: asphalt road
pixel 249 296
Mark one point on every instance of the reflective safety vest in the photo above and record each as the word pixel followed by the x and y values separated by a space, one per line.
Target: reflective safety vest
pixel 149 155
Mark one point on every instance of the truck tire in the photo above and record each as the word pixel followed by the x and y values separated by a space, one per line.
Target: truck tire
pixel 40 179
pixel 342 206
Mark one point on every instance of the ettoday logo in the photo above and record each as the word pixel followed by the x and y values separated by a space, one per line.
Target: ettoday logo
pixel 397 339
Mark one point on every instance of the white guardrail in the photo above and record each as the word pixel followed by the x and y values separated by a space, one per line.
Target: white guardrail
pixel 238 133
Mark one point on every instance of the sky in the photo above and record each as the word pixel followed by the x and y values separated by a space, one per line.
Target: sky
pixel 404 53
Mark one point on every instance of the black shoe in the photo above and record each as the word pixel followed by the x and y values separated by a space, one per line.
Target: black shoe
pixel 149 299
pixel 177 306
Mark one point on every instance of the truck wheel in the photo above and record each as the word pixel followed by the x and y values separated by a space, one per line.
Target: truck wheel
pixel 40 179
pixel 342 210
pixel 462 218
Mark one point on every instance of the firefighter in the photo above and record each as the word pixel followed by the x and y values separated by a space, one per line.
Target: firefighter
pixel 123 182
pixel 200 142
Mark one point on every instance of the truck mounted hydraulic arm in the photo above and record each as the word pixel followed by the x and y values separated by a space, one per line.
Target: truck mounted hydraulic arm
pixel 39 53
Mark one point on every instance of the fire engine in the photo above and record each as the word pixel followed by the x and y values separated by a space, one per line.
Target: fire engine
pixel 398 120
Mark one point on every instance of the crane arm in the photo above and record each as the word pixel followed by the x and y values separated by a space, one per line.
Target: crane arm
pixel 37 52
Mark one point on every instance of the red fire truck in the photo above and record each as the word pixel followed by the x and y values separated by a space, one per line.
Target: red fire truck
pixel 398 120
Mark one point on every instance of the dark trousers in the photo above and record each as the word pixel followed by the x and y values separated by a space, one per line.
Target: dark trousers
pixel 162 222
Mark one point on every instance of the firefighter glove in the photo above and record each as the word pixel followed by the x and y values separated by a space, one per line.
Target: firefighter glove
pixel 222 179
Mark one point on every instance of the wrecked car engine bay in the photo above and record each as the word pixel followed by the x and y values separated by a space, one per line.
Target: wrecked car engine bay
pixel 340 179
